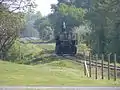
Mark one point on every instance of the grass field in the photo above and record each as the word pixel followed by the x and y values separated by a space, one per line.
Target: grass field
pixel 61 72
pixel 50 46
pixel 50 71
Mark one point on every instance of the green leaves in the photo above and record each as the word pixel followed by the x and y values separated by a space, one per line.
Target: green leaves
pixel 103 17
pixel 44 27
pixel 69 13
pixel 11 24
pixel 72 11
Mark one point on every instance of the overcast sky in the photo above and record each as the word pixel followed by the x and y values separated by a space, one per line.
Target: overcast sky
pixel 44 6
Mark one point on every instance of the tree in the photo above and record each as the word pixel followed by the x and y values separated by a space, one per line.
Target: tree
pixel 10 25
pixel 64 11
pixel 11 22
pixel 30 18
pixel 104 17
pixel 44 27
pixel 16 5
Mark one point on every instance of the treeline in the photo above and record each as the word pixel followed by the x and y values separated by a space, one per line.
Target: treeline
pixel 104 18
pixel 49 26
pixel 100 19
pixel 96 21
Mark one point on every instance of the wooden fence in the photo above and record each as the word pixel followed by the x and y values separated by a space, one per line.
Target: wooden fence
pixel 102 68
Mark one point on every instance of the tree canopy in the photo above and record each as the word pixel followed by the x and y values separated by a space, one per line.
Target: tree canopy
pixel 11 22
pixel 96 20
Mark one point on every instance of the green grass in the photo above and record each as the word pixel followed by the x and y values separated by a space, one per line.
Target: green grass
pixel 22 53
pixel 53 71
pixel 30 48
pixel 61 72
pixel 50 46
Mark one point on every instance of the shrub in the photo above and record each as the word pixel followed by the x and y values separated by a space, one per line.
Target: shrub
pixel 23 52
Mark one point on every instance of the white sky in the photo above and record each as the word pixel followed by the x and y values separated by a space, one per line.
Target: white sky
pixel 44 6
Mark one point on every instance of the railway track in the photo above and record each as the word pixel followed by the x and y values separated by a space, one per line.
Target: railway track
pixel 99 63
pixel 93 63
pixel 80 59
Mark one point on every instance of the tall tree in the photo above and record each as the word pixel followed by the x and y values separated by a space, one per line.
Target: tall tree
pixel 104 18
pixel 44 27
pixel 64 11
pixel 11 22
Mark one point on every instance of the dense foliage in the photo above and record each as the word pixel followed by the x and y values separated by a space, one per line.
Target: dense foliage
pixel 30 17
pixel 44 28
pixel 69 13
pixel 97 21
pixel 104 18
pixel 23 53
pixel 11 22
pixel 100 16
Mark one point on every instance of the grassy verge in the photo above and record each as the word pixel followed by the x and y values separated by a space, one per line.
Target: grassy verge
pixel 49 46
pixel 60 73
pixel 22 53
pixel 48 71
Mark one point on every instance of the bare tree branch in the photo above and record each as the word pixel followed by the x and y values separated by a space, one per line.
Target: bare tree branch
pixel 6 41
pixel 14 5
pixel 1 1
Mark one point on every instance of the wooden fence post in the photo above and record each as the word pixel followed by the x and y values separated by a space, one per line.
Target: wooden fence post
pixel 109 66
pixel 102 66
pixel 19 52
pixel 86 69
pixel 90 64
pixel 84 65
pixel 115 68
pixel 96 66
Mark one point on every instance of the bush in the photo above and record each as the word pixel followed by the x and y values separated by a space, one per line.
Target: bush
pixel 22 53
pixel 82 48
